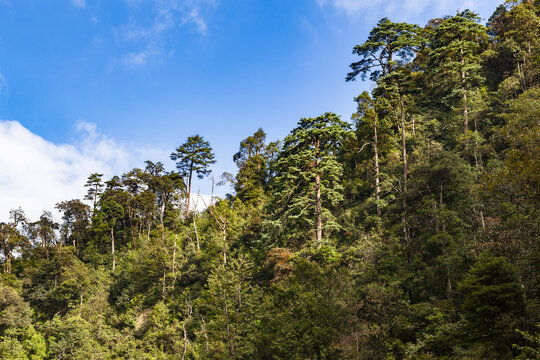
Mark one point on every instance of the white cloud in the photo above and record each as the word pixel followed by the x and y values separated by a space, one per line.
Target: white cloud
pixel 147 31
pixel 36 173
pixel 401 8
pixel 195 18
pixel 199 202
pixel 79 3
pixel 140 58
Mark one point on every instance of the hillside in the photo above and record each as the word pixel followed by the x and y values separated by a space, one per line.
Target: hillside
pixel 409 231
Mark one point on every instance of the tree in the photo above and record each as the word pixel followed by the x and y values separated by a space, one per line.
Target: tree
pixel 454 60
pixel 11 239
pixel 95 188
pixel 307 186
pixel 76 216
pixel 193 156
pixel 72 338
pixel 232 303
pixel 492 301
pixel 163 184
pixel 252 161
pixel 389 45
pixel 514 27
pixel 43 231
pixel 366 114
pixel 305 314
pixel 18 338
pixel 385 53
pixel 112 211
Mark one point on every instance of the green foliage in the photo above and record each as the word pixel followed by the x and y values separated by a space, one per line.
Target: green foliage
pixel 335 243
pixel 232 303
pixel 388 46
pixel 492 300
pixel 309 152
pixel 72 338
pixel 305 315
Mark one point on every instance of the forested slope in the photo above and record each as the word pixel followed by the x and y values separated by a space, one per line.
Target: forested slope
pixel 409 232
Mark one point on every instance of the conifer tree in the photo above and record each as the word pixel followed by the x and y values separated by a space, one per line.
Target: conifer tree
pixel 193 156
pixel 95 188
pixel 454 61
pixel 307 186
pixel 252 162
pixel 385 53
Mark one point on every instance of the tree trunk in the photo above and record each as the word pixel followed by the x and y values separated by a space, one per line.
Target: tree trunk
pixel 377 175
pixel 174 259
pixel 189 190
pixel 163 280
pixel 162 210
pixel 318 206
pixel 7 268
pixel 205 334
pixel 224 229
pixel 196 233
pixel 112 248
pixel 184 350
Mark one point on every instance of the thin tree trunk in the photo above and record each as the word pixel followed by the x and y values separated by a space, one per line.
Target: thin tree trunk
pixel 80 302
pixel 196 233
pixel 184 350
pixel 163 285
pixel 224 229
pixel 521 77
pixel 205 334
pixel 436 215
pixel 162 210
pixel 189 190
pixel 112 248
pixel 377 175
pixel 95 197
pixel 318 206
pixel 174 259
pixel 7 268
pixel 318 214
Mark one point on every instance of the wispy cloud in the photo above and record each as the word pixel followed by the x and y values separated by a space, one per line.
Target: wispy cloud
pixel 140 58
pixel 36 173
pixel 153 20
pixel 400 8
pixel 3 83
pixel 195 18
pixel 79 3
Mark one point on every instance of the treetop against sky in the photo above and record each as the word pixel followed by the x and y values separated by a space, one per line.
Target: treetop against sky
pixel 90 86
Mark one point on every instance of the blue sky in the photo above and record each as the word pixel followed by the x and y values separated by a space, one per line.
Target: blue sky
pixel 106 84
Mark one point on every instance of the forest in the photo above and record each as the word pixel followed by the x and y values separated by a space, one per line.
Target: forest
pixel 409 230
